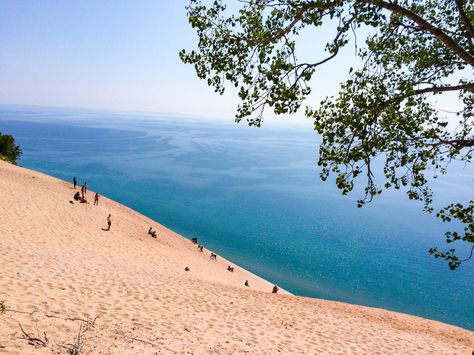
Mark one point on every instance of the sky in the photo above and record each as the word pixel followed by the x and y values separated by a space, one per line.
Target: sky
pixel 112 54
pixel 123 55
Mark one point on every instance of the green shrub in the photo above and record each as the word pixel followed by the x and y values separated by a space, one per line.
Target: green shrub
pixel 8 149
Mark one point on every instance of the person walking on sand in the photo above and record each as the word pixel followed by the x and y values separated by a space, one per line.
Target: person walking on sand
pixel 74 181
pixel 96 199
pixel 109 221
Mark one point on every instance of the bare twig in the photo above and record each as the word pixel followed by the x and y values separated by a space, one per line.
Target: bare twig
pixel 34 340
pixel 88 320
pixel 22 312
pixel 143 341
pixel 76 347
pixel 137 339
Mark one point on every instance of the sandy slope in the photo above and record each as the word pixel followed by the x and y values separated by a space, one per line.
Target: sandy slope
pixel 58 268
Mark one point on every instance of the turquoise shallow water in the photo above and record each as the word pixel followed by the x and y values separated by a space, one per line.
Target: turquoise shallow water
pixel 254 196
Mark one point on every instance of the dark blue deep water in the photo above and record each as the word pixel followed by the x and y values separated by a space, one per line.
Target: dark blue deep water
pixel 254 196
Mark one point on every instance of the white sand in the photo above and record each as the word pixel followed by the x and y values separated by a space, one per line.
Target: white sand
pixel 57 265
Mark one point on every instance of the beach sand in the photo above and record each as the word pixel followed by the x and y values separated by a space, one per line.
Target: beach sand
pixel 128 293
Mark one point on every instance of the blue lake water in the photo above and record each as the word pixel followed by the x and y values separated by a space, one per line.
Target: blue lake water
pixel 255 197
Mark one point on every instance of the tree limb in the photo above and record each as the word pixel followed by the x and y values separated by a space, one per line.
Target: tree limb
pixel 299 15
pixel 434 89
pixel 437 32
pixel 437 89
pixel 393 7
pixel 456 143
pixel 464 18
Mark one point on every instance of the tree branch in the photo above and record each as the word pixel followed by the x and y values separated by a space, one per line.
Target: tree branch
pixel 393 7
pixel 299 15
pixel 437 32
pixel 464 18
pixel 457 143
pixel 437 89
pixel 341 31
pixel 434 89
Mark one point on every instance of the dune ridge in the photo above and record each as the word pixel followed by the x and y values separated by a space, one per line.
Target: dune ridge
pixel 127 293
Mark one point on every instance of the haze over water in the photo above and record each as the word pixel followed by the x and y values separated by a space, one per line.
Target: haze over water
pixel 254 196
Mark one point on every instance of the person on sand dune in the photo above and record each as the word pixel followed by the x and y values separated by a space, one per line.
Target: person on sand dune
pixel 109 221
pixel 77 196
pixel 246 283
pixel 74 181
pixel 275 289
pixel 96 199
pixel 152 232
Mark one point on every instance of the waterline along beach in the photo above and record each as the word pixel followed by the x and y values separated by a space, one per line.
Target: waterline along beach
pixel 59 262
pixel 60 270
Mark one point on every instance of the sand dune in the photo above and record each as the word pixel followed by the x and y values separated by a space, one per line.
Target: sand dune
pixel 59 271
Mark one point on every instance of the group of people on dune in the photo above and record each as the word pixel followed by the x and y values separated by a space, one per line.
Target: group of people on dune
pixel 81 197
pixel 213 256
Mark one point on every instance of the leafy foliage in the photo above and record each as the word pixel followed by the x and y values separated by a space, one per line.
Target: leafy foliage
pixel 384 110
pixel 465 214
pixel 8 149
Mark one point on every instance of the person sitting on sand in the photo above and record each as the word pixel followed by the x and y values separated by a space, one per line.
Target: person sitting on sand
pixel 275 289
pixel 200 248
pixel 83 200
pixel 246 283
pixel 96 199
pixel 152 232
pixel 230 268
pixel 187 269
pixel 77 196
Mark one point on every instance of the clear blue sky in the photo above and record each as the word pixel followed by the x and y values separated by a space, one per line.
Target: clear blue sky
pixel 121 55
pixel 110 54
pixel 102 54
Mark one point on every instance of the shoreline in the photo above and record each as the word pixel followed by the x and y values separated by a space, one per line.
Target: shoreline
pixel 59 262
pixel 302 244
